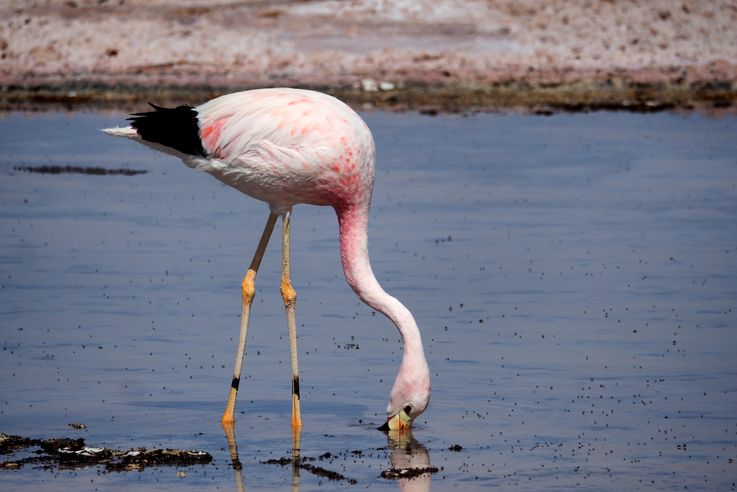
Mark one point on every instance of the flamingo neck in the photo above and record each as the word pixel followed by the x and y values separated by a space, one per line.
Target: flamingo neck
pixel 354 255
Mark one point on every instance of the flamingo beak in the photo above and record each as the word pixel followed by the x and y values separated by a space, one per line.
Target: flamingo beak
pixel 400 422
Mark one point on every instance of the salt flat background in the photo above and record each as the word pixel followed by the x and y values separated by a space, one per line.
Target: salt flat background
pixel 233 43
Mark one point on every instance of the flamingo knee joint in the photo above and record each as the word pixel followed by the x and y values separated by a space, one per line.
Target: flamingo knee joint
pixel 248 286
pixel 288 294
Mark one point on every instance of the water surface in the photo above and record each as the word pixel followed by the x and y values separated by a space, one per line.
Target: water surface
pixel 574 276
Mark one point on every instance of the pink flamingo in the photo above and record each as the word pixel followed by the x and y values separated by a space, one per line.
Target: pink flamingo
pixel 284 147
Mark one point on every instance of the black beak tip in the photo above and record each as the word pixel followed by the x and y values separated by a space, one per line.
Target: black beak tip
pixel 385 427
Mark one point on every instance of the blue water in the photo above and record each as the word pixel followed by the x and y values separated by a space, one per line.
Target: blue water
pixel 574 276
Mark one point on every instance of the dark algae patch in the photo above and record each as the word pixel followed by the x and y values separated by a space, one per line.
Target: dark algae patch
pixel 73 453
pixel 407 473
pixel 279 461
pixel 304 464
pixel 325 473
pixel 138 459
pixel 10 444
pixel 95 171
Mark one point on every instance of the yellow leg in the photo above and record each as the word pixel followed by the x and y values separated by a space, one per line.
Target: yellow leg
pixel 290 299
pixel 248 288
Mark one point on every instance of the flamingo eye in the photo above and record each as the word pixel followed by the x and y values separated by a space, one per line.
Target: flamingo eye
pixel 408 409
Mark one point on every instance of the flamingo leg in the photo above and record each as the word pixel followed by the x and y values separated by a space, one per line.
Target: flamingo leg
pixel 290 300
pixel 248 289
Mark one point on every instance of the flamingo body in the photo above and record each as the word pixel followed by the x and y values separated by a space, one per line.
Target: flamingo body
pixel 286 147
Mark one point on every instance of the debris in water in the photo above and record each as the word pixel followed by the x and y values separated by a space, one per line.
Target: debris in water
pixel 73 453
pixel 77 425
pixel 456 448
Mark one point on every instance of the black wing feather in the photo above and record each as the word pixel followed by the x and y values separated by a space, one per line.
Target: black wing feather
pixel 172 127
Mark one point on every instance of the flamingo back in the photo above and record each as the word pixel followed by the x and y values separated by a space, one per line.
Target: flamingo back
pixel 288 146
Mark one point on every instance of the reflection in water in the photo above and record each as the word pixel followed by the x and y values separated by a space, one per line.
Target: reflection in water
pixel 411 459
pixel 296 443
pixel 234 460
pixel 238 467
pixel 408 459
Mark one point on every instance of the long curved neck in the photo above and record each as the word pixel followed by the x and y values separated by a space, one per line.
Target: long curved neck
pixel 354 255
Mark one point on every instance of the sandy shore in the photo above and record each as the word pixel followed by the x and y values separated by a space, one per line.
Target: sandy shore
pixel 660 53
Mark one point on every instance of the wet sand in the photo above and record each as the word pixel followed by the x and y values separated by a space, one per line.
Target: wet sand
pixel 458 54
pixel 574 277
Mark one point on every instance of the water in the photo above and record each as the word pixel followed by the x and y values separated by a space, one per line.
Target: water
pixel 575 278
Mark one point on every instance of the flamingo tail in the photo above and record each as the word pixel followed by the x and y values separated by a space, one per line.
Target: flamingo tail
pixel 175 128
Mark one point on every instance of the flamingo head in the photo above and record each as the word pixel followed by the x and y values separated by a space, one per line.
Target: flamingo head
pixel 409 397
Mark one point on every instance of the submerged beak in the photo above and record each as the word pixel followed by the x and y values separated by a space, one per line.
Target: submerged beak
pixel 400 422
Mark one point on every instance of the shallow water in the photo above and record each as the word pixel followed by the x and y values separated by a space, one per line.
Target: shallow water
pixel 575 278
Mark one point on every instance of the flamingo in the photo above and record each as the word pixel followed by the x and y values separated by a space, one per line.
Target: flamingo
pixel 286 147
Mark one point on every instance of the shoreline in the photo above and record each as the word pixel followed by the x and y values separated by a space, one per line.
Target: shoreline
pixel 714 97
